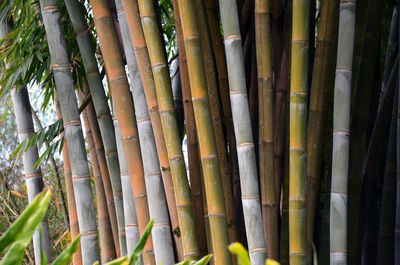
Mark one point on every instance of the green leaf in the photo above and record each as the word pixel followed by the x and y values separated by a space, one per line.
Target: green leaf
pixel 135 258
pixel 185 262
pixel 271 262
pixel 24 227
pixel 204 260
pixel 43 258
pixel 242 254
pixel 66 256
pixel 120 261
pixel 15 255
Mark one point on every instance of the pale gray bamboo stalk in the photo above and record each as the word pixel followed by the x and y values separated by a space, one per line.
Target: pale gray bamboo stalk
pixel 243 134
pixel 341 130
pixel 33 175
pixel 163 248
pixel 61 68
pixel 102 110
pixel 131 223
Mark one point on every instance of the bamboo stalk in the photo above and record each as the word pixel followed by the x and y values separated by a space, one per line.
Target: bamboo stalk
pixel 102 111
pixel 266 126
pixel 244 138
pixel 124 107
pixel 341 127
pixel 142 57
pixel 73 131
pixel 156 197
pixel 107 252
pixel 317 109
pixel 195 174
pixel 170 128
pixel 215 107
pixel 131 223
pixel 297 135
pixel 207 138
pixel 73 215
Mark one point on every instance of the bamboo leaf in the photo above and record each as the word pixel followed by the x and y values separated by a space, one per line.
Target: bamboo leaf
pixel 135 258
pixel 242 254
pixel 65 257
pixel 204 260
pixel 271 262
pixel 120 261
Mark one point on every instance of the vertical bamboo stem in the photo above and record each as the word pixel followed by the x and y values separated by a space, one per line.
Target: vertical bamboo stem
pixel 170 128
pixel 298 133
pixel 126 117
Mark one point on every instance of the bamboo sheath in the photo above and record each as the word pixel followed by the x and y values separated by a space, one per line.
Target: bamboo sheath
pixel 266 130
pixel 131 223
pixel 143 60
pixel 170 128
pixel 215 107
pixel 163 247
pixel 207 140
pixel 244 138
pixel 102 111
pixel 107 252
pixel 73 215
pixel 341 129
pixel 196 185
pixel 73 131
pixel 316 118
pixel 126 116
pixel 298 133
pixel 33 175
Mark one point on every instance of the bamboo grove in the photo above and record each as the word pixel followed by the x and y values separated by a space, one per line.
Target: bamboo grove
pixel 273 123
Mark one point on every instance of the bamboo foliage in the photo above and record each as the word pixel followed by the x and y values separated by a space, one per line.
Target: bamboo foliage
pixel 73 131
pixel 242 126
pixel 266 128
pixel 341 128
pixel 170 128
pixel 205 133
pixel 157 203
pixel 121 94
pixel 297 134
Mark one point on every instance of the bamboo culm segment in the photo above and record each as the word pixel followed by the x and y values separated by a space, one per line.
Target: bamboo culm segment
pixel 341 130
pixel 122 97
pixel 163 248
pixel 205 133
pixel 244 138
pixel 266 129
pixel 136 32
pixel 73 216
pixel 170 128
pixel 107 252
pixel 298 133
pixel 102 110
pixel 73 131
pixel 131 224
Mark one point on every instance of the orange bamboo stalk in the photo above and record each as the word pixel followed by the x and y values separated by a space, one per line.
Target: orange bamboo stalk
pixel 73 215
pixel 122 97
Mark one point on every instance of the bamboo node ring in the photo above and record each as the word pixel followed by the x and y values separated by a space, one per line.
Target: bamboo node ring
pixel 233 37
pixel 27 176
pixel 49 8
pixel 72 123
pixel 257 250
pixel 60 67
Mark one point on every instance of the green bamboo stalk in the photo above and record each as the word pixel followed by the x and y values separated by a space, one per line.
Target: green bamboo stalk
pixel 195 174
pixel 170 128
pixel 207 138
pixel 102 110
pixel 341 129
pixel 107 252
pixel 146 74
pixel 298 133
pixel 270 206
pixel 131 223
pixel 73 215
pixel 33 175
pixel 242 126
pixel 317 109
pixel 119 88
pixel 163 248
pixel 61 68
